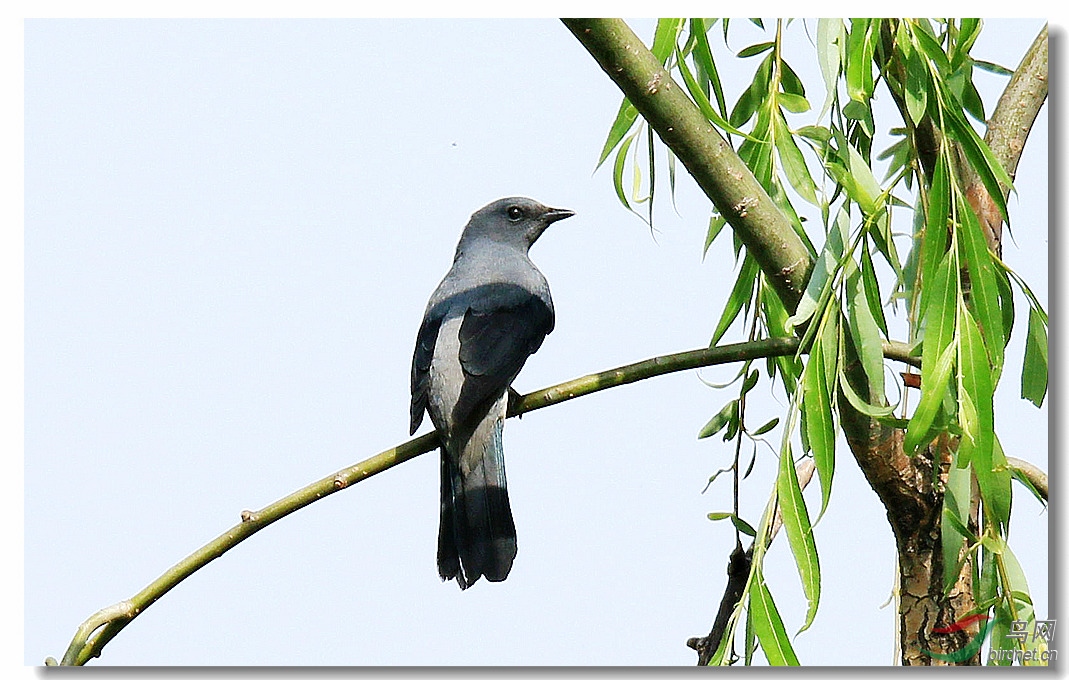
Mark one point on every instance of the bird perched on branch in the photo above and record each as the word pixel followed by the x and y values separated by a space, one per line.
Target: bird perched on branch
pixel 490 312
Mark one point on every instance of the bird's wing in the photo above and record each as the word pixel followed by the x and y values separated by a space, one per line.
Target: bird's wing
pixel 504 324
pixel 421 363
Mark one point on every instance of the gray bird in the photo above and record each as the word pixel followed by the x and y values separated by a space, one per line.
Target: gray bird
pixel 490 312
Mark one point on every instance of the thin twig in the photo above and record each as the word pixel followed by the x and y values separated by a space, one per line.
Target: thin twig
pixel 738 571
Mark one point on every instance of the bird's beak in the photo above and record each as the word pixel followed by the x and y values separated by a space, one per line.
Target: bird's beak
pixel 557 214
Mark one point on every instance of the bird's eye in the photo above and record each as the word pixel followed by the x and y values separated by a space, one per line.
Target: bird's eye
pixel 514 213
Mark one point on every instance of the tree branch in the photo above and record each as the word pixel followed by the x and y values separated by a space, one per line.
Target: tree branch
pixel 713 164
pixel 1007 132
pixel 724 178
pixel 1019 105
pixel 104 625
pixel 1036 477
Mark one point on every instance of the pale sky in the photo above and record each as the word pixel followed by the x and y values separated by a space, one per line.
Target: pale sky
pixel 231 232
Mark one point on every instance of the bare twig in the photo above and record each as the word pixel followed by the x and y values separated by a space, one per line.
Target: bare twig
pixel 738 571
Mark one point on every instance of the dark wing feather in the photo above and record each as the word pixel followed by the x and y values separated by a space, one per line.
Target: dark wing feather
pixel 421 364
pixel 503 326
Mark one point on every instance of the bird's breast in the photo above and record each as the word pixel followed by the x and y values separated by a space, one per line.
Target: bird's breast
pixel 446 373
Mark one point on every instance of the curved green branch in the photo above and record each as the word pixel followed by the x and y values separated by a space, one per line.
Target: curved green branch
pixel 104 625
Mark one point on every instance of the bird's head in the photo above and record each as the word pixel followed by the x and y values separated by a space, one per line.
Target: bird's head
pixel 517 220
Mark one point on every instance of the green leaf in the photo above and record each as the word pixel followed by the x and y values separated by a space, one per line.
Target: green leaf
pixel 981 158
pixel 872 290
pixel 900 153
pixel 769 626
pixel 754 95
pixel 799 533
pixel 863 187
pixel 775 314
pixel 940 316
pixel 764 429
pixel 818 288
pixel 729 412
pixel 791 83
pixel 664 38
pixel 935 229
pixel 742 525
pixel 794 165
pixel 859 49
pixel 750 381
pixel 1005 303
pixel 702 101
pixel 986 587
pixel 933 387
pixel 618 171
pixel 968 32
pixel 879 230
pixel 1034 369
pixel 756 151
pixel 972 103
pixel 955 513
pixel 1022 605
pixel 819 425
pixel 830 39
pixel 755 49
pixel 865 333
pixel 625 119
pixel 985 295
pixel 703 55
pixel 1000 640
pixel 794 103
pixel 817 133
pixel 916 87
pixel 998 493
pixel 992 67
pixel 978 442
pixel 740 295
pixel 932 49
pixel 779 197
pixel 860 404
pixel 749 642
pixel 716 225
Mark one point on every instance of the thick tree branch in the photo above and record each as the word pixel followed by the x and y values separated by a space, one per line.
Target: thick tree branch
pixel 728 183
pixel 717 169
pixel 104 625
pixel 709 159
pixel 1007 132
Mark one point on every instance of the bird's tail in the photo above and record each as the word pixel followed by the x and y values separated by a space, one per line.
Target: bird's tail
pixel 476 536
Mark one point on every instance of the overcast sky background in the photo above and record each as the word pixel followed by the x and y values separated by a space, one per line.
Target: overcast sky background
pixel 231 232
